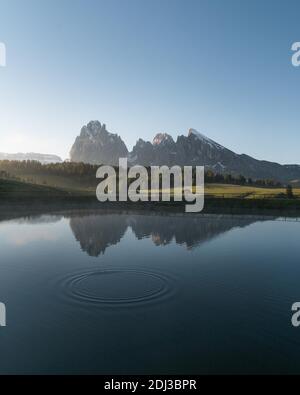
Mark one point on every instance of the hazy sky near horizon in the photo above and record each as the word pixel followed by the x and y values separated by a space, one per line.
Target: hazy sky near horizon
pixel 149 66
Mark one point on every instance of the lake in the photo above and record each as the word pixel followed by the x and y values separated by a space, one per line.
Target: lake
pixel 138 293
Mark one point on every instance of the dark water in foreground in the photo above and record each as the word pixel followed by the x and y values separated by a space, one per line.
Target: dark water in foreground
pixel 149 294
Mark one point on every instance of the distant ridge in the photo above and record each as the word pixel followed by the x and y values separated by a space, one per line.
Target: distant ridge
pixel 42 158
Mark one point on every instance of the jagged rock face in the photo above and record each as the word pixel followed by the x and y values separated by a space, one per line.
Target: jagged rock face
pixel 195 149
pixel 96 145
pixel 162 139
pixel 142 153
pixel 42 158
pixel 161 152
pixel 165 151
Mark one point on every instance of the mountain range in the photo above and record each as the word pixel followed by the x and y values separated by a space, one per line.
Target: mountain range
pixel 96 145
pixel 43 158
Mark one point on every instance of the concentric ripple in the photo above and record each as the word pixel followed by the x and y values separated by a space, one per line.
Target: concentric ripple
pixel 116 286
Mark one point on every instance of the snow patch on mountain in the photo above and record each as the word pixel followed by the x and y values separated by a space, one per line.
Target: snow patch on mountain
pixel 202 137
pixel 42 158
pixel 218 166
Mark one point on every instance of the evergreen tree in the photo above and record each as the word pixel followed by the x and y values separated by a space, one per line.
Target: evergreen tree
pixel 289 192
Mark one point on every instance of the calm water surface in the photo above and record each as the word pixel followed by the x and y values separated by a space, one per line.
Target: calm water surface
pixel 117 293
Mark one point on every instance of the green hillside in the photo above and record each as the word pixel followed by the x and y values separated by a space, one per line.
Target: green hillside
pixel 33 180
pixel 17 189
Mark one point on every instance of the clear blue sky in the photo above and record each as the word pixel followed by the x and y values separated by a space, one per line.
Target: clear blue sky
pixel 146 66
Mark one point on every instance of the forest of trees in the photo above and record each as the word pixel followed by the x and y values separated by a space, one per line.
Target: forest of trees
pixel 88 172
pixel 211 177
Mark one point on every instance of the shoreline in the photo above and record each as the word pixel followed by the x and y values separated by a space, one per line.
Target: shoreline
pixel 15 208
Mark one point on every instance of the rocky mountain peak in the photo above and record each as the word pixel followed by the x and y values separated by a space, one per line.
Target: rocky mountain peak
pixel 93 129
pixel 162 138
pixel 98 146
pixel 193 133
pixel 141 143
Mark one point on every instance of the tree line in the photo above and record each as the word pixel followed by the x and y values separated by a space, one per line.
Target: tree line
pixel 85 170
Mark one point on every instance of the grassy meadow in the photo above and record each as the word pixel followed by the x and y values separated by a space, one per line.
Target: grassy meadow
pixel 19 179
pixel 246 192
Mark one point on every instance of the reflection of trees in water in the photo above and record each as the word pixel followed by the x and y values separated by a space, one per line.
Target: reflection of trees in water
pixel 97 232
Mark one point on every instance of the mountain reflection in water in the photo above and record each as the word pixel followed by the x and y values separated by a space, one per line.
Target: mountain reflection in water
pixel 167 294
pixel 97 232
